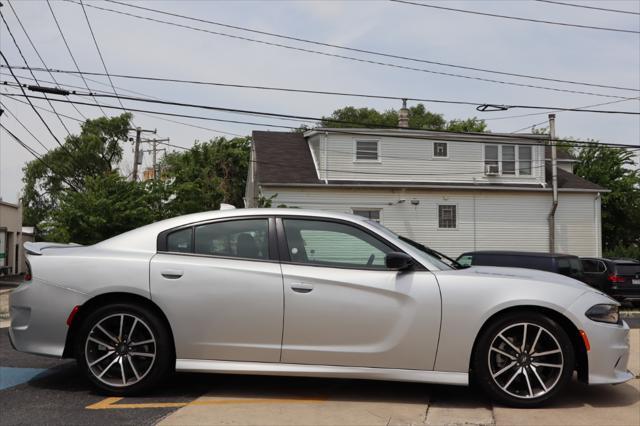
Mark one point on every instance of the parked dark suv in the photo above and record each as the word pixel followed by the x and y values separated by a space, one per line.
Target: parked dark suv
pixel 619 278
pixel 564 264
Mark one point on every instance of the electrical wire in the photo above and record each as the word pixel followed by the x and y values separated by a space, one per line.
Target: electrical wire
pixel 104 65
pixel 604 9
pixel 75 63
pixel 539 21
pixel 351 58
pixel 10 3
pixel 15 42
pixel 369 52
pixel 487 136
pixel 23 126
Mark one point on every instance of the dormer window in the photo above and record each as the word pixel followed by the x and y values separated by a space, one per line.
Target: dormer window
pixel 440 150
pixel 504 160
pixel 367 151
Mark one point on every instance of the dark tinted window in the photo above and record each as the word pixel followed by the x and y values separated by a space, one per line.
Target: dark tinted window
pixel 590 266
pixel 569 266
pixel 237 238
pixel 333 244
pixel 180 241
pixel 628 269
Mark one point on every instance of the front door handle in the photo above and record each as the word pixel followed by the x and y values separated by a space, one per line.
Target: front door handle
pixel 172 274
pixel 301 287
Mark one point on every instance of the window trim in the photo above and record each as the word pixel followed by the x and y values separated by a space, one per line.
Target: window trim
pixel 455 228
pixel 368 209
pixel 355 151
pixel 161 242
pixel 285 258
pixel 440 157
pixel 516 160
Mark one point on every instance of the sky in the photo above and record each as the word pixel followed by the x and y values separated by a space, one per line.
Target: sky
pixel 141 47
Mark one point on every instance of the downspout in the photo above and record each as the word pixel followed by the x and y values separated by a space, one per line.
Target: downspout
pixel 326 142
pixel 554 183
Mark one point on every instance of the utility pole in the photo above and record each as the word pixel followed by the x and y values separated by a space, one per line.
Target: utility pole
pixel 137 159
pixel 554 183
pixel 154 152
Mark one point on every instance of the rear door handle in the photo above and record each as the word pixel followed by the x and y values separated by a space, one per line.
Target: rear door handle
pixel 172 274
pixel 301 287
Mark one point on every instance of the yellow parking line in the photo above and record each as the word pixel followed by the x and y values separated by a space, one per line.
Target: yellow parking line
pixel 111 403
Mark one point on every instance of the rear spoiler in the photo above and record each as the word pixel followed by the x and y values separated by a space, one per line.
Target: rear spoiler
pixel 37 248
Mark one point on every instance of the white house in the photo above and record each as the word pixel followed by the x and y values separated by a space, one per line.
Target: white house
pixel 452 192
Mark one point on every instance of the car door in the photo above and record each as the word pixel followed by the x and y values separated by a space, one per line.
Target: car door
pixel 220 286
pixel 343 307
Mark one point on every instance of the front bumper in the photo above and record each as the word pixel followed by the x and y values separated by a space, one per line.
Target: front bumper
pixel 39 313
pixel 609 354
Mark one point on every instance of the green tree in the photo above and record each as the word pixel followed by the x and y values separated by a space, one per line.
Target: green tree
pixel 107 206
pixel 94 152
pixel 616 170
pixel 206 175
pixel 419 118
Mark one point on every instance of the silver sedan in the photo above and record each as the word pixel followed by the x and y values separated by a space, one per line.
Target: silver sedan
pixel 304 293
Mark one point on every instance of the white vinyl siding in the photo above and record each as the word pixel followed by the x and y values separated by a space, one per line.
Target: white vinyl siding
pixel 507 220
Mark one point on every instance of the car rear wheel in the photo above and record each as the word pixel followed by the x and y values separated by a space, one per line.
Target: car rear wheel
pixel 124 349
pixel 524 359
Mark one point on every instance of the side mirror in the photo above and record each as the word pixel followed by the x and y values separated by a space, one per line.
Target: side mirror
pixel 398 261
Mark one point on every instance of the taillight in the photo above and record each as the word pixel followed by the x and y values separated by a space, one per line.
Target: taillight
pixel 27 275
pixel 615 278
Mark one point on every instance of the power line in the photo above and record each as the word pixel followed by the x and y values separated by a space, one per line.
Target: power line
pixel 604 9
pixel 69 50
pixel 23 126
pixel 132 91
pixel 104 65
pixel 508 137
pixel 369 52
pixel 517 18
pixel 500 106
pixel 351 58
pixel 15 42
pixel 37 156
pixel 37 52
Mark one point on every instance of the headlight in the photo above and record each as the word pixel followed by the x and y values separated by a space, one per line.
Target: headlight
pixel 604 313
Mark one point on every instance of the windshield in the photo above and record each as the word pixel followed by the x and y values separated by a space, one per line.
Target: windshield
pixel 436 258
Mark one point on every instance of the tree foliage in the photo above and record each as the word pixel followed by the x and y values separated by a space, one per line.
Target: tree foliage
pixel 95 151
pixel 616 170
pixel 419 118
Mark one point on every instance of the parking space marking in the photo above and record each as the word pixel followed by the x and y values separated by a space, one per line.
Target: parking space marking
pixel 111 403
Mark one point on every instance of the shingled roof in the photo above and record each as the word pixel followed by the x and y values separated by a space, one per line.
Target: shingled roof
pixel 285 158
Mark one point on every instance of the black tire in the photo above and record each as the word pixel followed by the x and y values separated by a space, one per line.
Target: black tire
pixel 527 389
pixel 150 374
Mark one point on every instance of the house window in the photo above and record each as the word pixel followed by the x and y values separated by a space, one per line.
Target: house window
pixel 491 163
pixel 447 216
pixel 371 214
pixel 524 160
pixel 440 149
pixel 367 151
pixel 508 160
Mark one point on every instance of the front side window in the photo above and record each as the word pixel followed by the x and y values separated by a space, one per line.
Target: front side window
pixel 372 214
pixel 447 216
pixel 440 149
pixel 238 238
pixel 367 151
pixel 465 260
pixel 333 244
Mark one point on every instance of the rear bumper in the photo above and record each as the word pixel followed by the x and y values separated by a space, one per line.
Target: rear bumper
pixel 39 313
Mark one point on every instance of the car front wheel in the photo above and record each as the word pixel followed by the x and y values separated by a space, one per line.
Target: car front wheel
pixel 524 360
pixel 124 349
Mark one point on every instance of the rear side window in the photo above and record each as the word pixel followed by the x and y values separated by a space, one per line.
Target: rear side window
pixel 568 266
pixel 180 241
pixel 238 238
pixel 590 266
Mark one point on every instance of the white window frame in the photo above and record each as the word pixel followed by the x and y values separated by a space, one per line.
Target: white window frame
pixel 355 151
pixel 455 228
pixel 440 157
pixel 517 160
pixel 367 209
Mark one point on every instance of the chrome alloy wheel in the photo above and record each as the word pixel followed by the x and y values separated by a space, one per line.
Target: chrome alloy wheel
pixel 525 360
pixel 120 350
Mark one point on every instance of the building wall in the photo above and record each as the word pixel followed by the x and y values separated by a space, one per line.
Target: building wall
pixel 487 219
pixel 11 225
pixel 403 159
